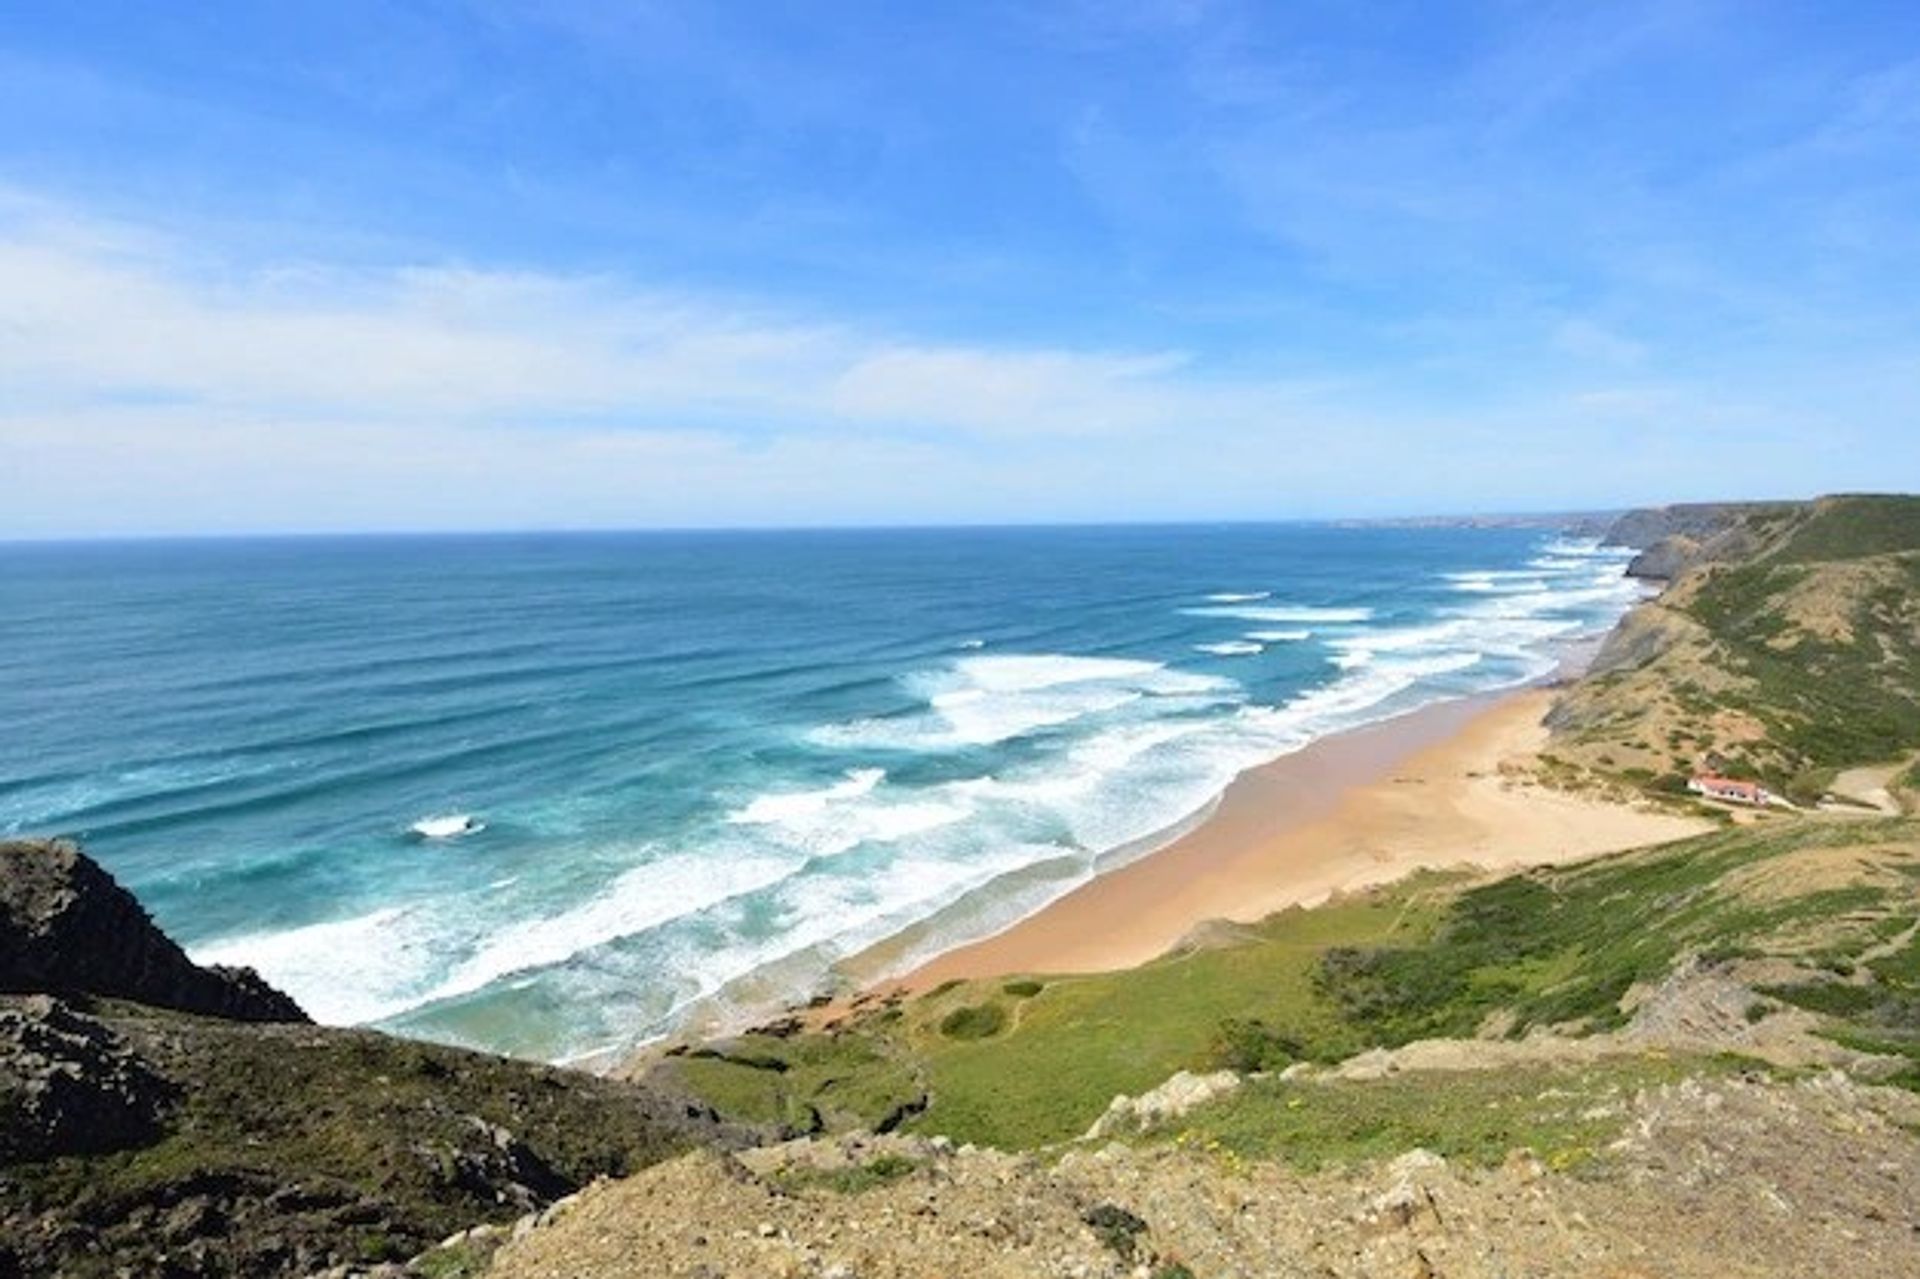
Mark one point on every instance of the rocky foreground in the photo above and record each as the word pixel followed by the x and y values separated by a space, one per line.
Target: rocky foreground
pixel 1737 1176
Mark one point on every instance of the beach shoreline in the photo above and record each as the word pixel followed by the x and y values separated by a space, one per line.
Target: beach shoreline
pixel 1449 785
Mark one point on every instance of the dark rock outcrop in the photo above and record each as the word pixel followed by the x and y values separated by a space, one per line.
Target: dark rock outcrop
pixel 67 928
pixel 70 1086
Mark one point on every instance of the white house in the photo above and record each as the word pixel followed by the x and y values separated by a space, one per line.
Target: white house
pixel 1731 791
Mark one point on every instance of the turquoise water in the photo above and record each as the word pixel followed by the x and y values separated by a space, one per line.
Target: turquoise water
pixel 697 767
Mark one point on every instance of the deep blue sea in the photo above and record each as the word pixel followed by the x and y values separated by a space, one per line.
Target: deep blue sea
pixel 696 768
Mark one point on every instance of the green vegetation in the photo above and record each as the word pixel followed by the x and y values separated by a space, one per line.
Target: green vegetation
pixel 1559 946
pixel 1564 1114
pixel 1024 988
pixel 460 1261
pixel 975 1021
pixel 1116 1227
pixel 1789 660
pixel 877 1171
pixel 1878 1010
pixel 1048 1075
pixel 1853 527
pixel 806 1082
pixel 1825 702
pixel 1434 955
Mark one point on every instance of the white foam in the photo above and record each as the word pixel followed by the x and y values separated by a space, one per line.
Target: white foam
pixel 1344 702
pixel 1496 582
pixel 643 898
pixel 982 701
pixel 1020 673
pixel 379 965
pixel 1559 564
pixel 790 806
pixel 1237 597
pixel 833 915
pixel 1488 575
pixel 1279 637
pixel 1282 613
pixel 1232 648
pixel 451 826
pixel 1585 548
pixel 342 972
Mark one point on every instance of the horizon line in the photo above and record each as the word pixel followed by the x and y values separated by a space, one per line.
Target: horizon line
pixel 323 534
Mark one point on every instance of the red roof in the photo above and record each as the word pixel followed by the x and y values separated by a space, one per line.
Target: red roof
pixel 1753 790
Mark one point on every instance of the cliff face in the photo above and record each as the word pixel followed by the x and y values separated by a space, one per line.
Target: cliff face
pixel 67 928
pixel 1673 539
pixel 157 1118
pixel 1640 529
pixel 1786 647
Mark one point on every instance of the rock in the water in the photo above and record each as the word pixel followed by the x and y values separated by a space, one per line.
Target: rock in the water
pixel 66 928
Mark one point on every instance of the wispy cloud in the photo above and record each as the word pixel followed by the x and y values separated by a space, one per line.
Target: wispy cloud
pixel 99 314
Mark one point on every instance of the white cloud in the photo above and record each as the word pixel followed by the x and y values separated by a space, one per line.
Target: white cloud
pixel 94 318
pixel 147 387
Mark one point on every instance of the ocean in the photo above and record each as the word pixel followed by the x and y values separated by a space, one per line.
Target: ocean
pixel 551 794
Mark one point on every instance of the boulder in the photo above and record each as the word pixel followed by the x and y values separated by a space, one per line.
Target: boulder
pixel 1172 1099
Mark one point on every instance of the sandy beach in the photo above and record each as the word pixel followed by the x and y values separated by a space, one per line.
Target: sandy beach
pixel 1446 786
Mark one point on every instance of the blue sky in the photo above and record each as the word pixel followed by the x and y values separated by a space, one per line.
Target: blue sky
pixel 441 265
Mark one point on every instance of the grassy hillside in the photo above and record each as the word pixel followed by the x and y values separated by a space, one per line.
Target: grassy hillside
pixel 1789 664
pixel 1825 909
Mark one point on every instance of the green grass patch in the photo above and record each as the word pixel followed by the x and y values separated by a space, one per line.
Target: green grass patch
pixel 850 1180
pixel 975 1021
pixel 824 1081
pixel 1836 999
pixel 1564 1114
pixel 1855 526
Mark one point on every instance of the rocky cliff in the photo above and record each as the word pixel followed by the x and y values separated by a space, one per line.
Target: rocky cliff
pixel 1641 528
pixel 157 1118
pixel 67 928
pixel 1672 539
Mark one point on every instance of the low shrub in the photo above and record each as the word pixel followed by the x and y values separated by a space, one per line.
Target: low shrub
pixel 975 1021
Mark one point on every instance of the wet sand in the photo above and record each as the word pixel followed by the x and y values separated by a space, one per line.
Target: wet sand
pixel 1442 787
